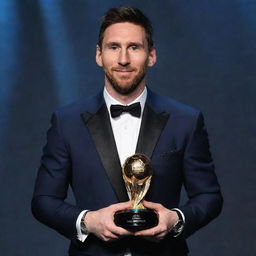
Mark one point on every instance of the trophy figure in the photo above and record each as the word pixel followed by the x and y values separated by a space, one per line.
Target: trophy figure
pixel 137 173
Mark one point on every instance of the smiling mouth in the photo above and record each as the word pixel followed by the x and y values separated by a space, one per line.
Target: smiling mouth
pixel 123 71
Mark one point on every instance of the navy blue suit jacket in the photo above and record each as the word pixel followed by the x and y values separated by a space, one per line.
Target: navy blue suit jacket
pixel 81 153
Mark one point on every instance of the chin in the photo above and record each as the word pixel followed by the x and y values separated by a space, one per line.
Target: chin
pixel 124 86
pixel 124 89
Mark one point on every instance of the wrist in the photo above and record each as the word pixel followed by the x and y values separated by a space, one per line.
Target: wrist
pixel 175 217
pixel 178 226
pixel 84 224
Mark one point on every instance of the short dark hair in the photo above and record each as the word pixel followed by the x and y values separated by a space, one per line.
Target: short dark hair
pixel 126 14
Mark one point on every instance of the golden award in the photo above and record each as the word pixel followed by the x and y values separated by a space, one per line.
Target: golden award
pixel 137 173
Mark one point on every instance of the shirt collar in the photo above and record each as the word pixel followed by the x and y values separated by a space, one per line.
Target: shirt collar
pixel 112 101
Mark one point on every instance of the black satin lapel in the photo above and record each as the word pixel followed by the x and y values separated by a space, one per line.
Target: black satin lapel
pixel 100 129
pixel 151 128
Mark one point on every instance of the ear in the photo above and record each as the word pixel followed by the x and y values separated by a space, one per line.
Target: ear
pixel 98 56
pixel 152 57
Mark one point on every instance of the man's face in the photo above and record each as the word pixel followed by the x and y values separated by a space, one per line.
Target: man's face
pixel 124 56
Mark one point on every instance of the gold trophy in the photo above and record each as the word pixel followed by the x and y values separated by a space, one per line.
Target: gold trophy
pixel 137 173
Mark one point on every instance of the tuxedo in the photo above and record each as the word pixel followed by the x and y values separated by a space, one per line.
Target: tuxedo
pixel 81 152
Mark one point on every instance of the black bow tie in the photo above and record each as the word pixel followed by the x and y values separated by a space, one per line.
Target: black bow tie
pixel 133 109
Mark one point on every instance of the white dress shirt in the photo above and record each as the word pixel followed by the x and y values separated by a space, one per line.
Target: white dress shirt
pixel 125 127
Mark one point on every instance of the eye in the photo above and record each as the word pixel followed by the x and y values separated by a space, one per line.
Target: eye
pixel 134 47
pixel 113 46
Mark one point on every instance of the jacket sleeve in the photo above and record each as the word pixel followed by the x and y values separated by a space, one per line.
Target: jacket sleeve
pixel 53 178
pixel 200 181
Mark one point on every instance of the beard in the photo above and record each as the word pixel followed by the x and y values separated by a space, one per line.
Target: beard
pixel 128 87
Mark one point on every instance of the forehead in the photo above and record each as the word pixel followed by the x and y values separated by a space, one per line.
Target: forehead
pixel 124 32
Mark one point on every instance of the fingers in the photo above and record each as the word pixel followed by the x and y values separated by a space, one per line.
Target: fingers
pixel 101 222
pixel 110 232
pixel 108 236
pixel 160 231
pixel 154 234
pixel 120 231
pixel 151 205
pixel 149 232
pixel 120 206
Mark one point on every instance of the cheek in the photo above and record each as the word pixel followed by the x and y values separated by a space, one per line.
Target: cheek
pixel 109 59
pixel 105 63
pixel 140 61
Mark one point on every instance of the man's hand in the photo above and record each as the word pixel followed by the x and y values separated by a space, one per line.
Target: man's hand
pixel 101 222
pixel 167 219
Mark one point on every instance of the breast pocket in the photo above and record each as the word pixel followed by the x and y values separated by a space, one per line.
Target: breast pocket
pixel 167 163
pixel 170 153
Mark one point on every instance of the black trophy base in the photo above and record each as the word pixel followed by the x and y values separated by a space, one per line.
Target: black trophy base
pixel 136 219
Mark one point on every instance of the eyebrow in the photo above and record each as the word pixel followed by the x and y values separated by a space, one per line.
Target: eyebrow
pixel 136 43
pixel 129 44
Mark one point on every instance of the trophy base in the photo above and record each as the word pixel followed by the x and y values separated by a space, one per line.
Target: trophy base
pixel 136 219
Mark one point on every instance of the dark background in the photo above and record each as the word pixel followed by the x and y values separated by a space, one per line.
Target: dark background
pixel 206 58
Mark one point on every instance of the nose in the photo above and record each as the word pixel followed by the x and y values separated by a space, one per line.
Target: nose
pixel 123 59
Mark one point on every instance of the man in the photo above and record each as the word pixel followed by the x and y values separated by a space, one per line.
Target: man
pixel 89 140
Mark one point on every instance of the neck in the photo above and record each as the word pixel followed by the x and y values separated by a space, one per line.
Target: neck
pixel 125 99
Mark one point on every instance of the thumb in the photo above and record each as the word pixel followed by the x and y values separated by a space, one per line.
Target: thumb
pixel 151 205
pixel 122 206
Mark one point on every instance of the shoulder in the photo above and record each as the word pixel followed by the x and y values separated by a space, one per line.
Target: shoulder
pixel 89 104
pixel 162 103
